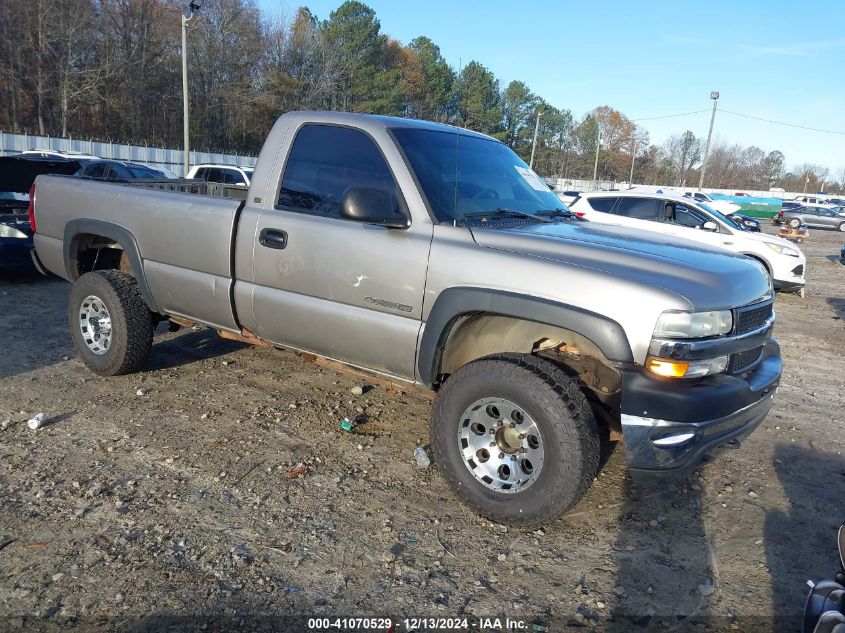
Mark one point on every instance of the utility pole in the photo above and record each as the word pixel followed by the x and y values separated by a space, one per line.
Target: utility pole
pixel 596 165
pixel 715 96
pixel 806 180
pixel 633 158
pixel 187 14
pixel 534 142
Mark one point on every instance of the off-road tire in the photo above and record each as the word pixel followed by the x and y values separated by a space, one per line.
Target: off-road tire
pixel 571 436
pixel 794 223
pixel 131 322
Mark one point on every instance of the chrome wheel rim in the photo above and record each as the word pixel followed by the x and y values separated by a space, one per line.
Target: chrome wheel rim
pixel 500 445
pixel 95 324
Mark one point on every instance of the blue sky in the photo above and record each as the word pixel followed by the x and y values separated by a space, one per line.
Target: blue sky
pixel 771 59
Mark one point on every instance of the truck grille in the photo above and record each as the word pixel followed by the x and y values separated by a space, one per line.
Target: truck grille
pixel 748 319
pixel 741 361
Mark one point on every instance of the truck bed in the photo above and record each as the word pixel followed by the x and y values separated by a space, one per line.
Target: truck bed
pixel 183 240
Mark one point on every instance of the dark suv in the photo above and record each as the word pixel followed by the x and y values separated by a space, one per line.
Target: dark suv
pixel 118 170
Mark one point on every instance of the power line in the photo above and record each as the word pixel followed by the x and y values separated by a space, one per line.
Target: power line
pixel 671 116
pixel 795 125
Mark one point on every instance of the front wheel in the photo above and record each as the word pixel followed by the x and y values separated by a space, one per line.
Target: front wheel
pixel 110 323
pixel 515 438
pixel 841 227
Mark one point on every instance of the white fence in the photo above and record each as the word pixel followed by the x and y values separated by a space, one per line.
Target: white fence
pixel 11 144
pixel 574 184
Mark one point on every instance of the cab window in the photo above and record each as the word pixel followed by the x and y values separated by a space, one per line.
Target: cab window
pixel 324 162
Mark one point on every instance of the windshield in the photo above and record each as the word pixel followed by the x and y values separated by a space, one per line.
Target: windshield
pixel 463 175
pixel 248 171
pixel 717 214
pixel 737 222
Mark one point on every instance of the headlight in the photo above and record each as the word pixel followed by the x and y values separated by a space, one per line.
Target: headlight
pixel 693 324
pixel 783 249
pixel 668 368
pixel 10 231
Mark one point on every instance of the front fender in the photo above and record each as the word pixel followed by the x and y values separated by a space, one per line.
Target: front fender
pixel 454 303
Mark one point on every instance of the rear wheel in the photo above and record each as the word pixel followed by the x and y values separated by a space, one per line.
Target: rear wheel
pixel 841 227
pixel 515 438
pixel 110 323
pixel 794 223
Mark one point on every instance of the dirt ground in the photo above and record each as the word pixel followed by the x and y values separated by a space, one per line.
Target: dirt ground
pixel 169 500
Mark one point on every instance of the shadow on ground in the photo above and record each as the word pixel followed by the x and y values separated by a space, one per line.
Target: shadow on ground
pixel 800 541
pixel 838 306
pixel 662 584
pixel 193 346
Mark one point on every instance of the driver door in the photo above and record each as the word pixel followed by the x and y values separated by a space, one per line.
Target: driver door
pixel 688 222
pixel 332 286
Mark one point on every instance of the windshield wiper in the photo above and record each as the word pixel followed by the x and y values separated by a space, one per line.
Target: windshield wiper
pixel 559 212
pixel 503 213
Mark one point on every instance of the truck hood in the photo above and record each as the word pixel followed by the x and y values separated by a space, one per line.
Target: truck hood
pixel 708 278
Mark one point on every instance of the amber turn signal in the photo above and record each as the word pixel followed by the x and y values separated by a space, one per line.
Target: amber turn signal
pixel 667 368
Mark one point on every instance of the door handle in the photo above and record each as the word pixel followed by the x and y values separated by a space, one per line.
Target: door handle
pixel 273 238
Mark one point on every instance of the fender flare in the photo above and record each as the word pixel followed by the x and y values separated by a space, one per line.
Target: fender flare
pixel 454 303
pixel 112 231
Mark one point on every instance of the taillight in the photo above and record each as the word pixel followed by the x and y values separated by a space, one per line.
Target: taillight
pixel 580 214
pixel 31 209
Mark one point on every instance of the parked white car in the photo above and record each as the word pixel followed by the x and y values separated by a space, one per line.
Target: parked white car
pixel 725 206
pixel 226 174
pixel 683 217
pixel 819 201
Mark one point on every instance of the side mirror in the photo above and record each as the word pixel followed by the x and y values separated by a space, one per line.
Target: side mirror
pixel 372 206
pixel 710 226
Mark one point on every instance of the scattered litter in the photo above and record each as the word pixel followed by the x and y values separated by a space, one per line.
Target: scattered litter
pixel 241 555
pixel 357 391
pixel 346 424
pixel 539 628
pixel 292 589
pixel 139 392
pixel 299 470
pixel 411 539
pixel 422 457
pixel 706 590
pixel 37 421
